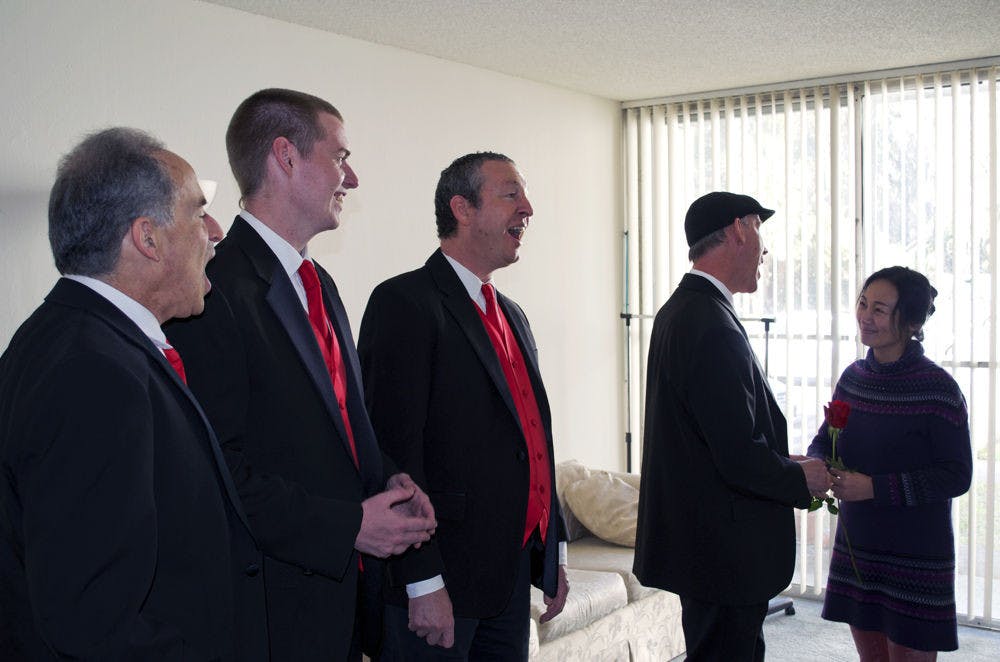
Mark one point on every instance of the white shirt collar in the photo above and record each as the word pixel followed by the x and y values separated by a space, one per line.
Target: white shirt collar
pixel 470 281
pixel 141 316
pixel 718 284
pixel 289 258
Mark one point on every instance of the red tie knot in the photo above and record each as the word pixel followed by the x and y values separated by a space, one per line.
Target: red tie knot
pixel 174 359
pixel 307 272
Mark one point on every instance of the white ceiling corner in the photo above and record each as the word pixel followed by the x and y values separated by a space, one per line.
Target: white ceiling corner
pixel 645 48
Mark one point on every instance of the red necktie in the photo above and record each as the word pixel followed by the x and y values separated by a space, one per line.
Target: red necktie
pixel 328 344
pixel 492 309
pixel 174 358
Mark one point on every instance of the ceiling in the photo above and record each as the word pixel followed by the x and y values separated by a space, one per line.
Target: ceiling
pixel 642 49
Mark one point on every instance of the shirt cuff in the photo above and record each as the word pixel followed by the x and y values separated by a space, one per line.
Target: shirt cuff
pixel 417 589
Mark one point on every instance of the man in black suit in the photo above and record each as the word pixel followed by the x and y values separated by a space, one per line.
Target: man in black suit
pixel 715 504
pixel 455 395
pixel 274 364
pixel 121 535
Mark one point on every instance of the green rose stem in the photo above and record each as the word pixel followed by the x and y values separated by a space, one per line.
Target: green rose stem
pixel 835 462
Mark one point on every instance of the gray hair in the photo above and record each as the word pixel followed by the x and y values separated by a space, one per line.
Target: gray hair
pixel 710 241
pixel 102 185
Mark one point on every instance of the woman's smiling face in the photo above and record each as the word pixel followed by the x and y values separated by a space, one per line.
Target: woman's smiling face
pixel 877 321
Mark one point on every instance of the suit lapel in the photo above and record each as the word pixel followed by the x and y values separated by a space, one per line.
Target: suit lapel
pixel 456 299
pixel 342 327
pixel 369 455
pixel 522 334
pixel 284 301
pixel 516 322
pixel 287 307
pixel 74 294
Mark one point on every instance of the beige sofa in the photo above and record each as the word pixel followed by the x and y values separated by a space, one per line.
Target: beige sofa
pixel 609 616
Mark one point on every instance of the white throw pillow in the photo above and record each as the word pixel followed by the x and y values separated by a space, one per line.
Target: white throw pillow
pixel 567 473
pixel 607 505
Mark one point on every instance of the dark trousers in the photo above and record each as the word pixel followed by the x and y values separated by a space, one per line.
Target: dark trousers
pixel 723 633
pixel 503 637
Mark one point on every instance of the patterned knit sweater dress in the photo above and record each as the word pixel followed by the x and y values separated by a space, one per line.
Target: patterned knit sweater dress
pixel 909 430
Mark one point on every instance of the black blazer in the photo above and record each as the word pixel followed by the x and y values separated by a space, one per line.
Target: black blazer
pixel 715 517
pixel 121 535
pixel 443 411
pixel 254 363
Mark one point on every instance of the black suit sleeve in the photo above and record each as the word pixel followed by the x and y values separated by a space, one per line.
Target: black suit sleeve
pixel 725 408
pixel 90 516
pixel 289 523
pixel 391 367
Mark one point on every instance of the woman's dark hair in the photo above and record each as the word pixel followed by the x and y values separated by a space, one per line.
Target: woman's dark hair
pixel 916 298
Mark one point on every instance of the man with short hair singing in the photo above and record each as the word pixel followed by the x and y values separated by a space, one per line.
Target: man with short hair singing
pixel 455 394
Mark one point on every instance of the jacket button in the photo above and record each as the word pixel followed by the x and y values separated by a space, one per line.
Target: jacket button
pixel 521 455
pixel 307 573
pixel 252 570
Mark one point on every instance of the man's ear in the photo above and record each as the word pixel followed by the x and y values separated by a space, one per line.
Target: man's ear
pixel 739 231
pixel 285 154
pixel 143 235
pixel 461 208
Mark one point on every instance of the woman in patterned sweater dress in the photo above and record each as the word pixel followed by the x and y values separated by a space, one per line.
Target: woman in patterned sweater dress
pixel 907 447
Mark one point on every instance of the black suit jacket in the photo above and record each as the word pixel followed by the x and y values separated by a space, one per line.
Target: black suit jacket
pixel 121 535
pixel 715 517
pixel 253 361
pixel 443 411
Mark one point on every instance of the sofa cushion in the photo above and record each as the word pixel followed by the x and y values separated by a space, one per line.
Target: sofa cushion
pixel 607 505
pixel 592 596
pixel 591 553
pixel 645 631
pixel 630 479
pixel 567 473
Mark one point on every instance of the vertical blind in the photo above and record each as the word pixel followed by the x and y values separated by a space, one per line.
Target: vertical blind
pixel 863 175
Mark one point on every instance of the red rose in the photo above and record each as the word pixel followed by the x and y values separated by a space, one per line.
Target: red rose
pixel 836 414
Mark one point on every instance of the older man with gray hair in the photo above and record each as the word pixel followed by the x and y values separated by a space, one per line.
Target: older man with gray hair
pixel 121 536
pixel 715 521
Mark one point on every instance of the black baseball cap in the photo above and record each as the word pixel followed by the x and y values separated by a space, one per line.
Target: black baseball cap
pixel 714 211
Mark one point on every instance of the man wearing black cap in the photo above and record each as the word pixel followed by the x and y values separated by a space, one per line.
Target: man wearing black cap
pixel 715 506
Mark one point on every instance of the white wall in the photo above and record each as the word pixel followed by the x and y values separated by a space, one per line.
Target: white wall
pixel 179 68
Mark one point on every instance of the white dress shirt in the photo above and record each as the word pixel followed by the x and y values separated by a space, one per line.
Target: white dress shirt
pixel 141 316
